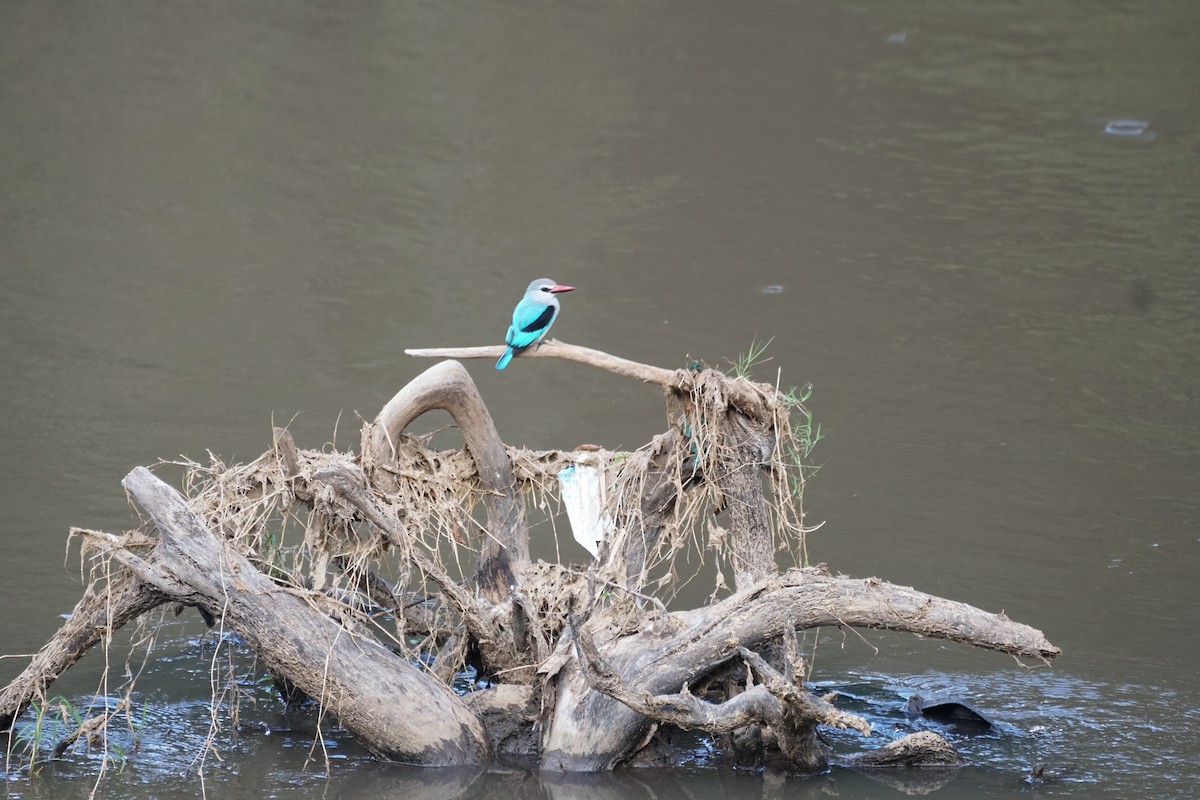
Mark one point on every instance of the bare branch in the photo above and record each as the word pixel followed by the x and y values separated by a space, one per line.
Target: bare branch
pixel 552 348
pixel 811 598
pixel 448 386
pixel 756 400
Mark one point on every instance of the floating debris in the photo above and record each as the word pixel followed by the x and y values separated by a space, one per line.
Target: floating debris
pixel 1130 129
pixel 774 288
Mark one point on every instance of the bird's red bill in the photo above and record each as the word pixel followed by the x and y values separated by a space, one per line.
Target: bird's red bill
pixel 556 289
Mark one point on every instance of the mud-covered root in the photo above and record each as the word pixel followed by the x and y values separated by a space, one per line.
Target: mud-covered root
pixel 921 749
pixel 777 704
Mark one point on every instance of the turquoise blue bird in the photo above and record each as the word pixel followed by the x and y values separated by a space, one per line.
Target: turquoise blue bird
pixel 532 317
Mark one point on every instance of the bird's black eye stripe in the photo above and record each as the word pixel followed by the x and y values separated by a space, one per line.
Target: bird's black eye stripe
pixel 545 288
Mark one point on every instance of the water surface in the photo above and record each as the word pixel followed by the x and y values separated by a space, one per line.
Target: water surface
pixel 218 217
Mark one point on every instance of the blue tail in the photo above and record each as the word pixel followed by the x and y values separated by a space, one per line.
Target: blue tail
pixel 504 359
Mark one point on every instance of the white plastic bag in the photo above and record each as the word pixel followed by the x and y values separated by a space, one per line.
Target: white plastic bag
pixel 581 487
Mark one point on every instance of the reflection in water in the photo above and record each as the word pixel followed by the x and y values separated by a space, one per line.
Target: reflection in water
pixel 397 782
pixel 1044 722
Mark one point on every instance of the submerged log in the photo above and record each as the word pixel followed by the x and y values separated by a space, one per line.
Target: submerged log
pixel 397 711
pixel 921 749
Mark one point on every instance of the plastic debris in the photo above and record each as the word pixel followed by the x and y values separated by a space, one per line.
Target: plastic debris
pixel 582 490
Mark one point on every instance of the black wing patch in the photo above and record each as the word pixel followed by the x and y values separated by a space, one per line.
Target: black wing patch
pixel 541 322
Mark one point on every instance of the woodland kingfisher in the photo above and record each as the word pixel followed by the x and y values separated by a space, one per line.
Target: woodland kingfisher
pixel 532 317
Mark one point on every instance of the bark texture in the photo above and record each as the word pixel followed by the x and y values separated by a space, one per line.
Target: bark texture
pixel 921 749
pixel 395 710
pixel 592 730
pixel 448 386
pixel 586 663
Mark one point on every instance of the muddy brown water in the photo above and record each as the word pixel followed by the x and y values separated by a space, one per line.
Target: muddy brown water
pixel 973 228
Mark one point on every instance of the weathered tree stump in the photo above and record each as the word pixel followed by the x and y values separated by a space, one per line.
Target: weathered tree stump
pixel 586 664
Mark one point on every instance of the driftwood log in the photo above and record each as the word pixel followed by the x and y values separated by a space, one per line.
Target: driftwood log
pixel 585 664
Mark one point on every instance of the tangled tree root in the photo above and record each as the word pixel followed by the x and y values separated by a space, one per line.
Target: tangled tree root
pixel 367 583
